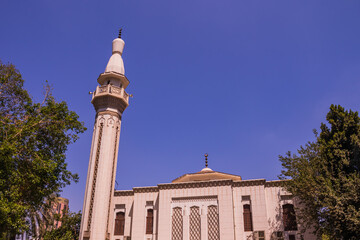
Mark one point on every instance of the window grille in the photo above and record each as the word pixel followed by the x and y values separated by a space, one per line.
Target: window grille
pixel 177 224
pixel 213 223
pixel 195 224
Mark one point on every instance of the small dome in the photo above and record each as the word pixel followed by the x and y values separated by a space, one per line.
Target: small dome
pixel 206 174
pixel 206 170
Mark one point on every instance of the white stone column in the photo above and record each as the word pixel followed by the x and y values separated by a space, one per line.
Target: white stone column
pixel 186 213
pixel 203 215
pixel 101 179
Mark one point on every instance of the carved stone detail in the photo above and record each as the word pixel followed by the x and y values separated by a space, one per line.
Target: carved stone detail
pixel 196 184
pixel 124 193
pixel 194 199
pixel 110 121
pixel 112 173
pixel 95 174
pixel 111 113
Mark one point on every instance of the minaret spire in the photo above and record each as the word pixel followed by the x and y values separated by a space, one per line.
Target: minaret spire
pixel 206 160
pixel 110 100
pixel 120 30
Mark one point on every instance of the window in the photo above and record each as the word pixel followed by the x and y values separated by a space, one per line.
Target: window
pixel 259 235
pixel 64 209
pixel 291 237
pixel 277 236
pixel 58 208
pixel 247 218
pixel 119 223
pixel 289 217
pixel 149 221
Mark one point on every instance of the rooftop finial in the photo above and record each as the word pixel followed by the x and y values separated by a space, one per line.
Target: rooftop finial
pixel 206 160
pixel 120 32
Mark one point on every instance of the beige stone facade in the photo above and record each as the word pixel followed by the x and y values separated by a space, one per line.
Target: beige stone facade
pixel 216 205
pixel 206 205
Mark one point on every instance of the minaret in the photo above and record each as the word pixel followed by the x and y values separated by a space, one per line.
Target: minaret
pixel 110 101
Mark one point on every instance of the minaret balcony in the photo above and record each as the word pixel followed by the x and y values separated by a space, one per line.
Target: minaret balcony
pixel 110 96
pixel 111 90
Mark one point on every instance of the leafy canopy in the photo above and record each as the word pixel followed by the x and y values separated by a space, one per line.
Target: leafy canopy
pixel 325 175
pixel 33 140
pixel 69 229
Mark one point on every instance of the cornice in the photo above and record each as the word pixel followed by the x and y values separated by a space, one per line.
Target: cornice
pixel 211 183
pixel 200 184
pixel 109 101
pixel 119 193
pixel 254 182
pixel 145 189
pixel 275 183
pixel 195 198
pixel 104 76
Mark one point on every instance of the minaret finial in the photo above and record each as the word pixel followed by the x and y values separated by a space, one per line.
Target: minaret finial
pixel 120 32
pixel 206 160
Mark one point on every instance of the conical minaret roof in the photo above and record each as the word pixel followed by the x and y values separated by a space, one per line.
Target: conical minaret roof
pixel 115 70
pixel 116 63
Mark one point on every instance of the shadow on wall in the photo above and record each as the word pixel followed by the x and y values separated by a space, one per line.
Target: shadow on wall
pixel 276 224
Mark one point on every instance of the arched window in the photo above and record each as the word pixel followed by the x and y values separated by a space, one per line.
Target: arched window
pixel 119 223
pixel 149 221
pixel 289 217
pixel 247 218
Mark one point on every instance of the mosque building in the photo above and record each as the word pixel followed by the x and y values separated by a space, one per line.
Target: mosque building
pixel 205 205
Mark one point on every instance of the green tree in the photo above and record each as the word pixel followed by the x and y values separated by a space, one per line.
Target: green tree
pixel 325 176
pixel 33 141
pixel 69 229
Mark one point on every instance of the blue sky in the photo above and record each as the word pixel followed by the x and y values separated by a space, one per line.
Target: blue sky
pixel 244 81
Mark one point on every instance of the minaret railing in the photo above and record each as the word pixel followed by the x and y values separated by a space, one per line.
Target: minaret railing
pixel 113 90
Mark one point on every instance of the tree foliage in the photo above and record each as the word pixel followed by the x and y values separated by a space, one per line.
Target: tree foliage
pixel 69 229
pixel 33 140
pixel 325 175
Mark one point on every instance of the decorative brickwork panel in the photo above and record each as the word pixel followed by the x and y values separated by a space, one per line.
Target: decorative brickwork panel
pixel 213 223
pixel 195 224
pixel 177 224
